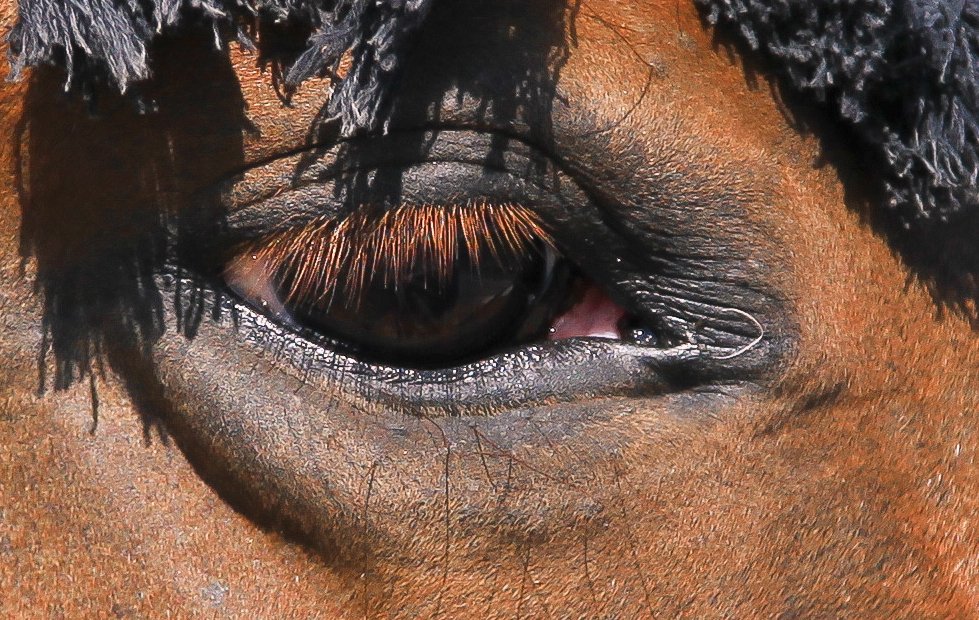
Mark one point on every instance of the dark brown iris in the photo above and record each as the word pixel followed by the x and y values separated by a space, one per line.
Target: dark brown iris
pixel 427 319
pixel 420 286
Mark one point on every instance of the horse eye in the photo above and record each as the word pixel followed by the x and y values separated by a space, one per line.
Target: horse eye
pixel 421 287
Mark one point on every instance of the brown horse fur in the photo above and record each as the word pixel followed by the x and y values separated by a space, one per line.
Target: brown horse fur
pixel 204 468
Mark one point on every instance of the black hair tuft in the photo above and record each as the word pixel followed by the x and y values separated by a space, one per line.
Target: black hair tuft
pixel 904 73
pixel 102 42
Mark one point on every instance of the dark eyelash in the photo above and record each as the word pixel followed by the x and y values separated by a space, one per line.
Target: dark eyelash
pixel 326 258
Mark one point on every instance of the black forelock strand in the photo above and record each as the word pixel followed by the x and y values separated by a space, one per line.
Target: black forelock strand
pixel 97 40
pixel 105 41
pixel 905 73
pixel 902 72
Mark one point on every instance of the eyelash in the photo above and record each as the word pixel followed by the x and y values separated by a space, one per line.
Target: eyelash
pixel 328 258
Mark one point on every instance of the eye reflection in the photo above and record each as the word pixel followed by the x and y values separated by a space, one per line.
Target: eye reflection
pixel 417 285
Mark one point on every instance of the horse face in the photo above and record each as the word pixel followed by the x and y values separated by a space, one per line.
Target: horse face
pixel 783 426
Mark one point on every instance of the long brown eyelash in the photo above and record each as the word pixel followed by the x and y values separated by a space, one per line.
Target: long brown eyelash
pixel 324 258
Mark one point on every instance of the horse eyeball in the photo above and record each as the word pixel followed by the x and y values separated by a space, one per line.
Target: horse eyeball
pixel 422 286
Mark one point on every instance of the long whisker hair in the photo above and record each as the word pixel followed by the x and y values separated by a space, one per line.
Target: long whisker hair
pixel 326 260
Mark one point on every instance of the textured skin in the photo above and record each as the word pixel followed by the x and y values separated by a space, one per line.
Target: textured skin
pixel 837 480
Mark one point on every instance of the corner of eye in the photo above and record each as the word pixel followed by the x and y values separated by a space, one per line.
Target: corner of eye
pixel 249 275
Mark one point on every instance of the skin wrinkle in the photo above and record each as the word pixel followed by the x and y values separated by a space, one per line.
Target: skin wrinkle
pixel 814 492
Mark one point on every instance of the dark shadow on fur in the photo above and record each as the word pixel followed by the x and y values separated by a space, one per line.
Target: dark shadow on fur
pixel 942 253
pixel 534 37
pixel 104 201
pixel 104 43
pixel 255 498
pixel 101 194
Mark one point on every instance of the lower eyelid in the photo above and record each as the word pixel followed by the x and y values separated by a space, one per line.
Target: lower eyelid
pixel 552 372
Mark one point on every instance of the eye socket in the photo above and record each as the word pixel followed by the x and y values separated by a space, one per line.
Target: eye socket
pixel 419 285
pixel 287 249
pixel 614 318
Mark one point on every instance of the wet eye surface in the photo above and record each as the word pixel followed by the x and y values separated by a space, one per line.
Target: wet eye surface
pixel 418 286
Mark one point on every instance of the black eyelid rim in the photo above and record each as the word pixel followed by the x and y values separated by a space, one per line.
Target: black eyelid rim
pixel 565 370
